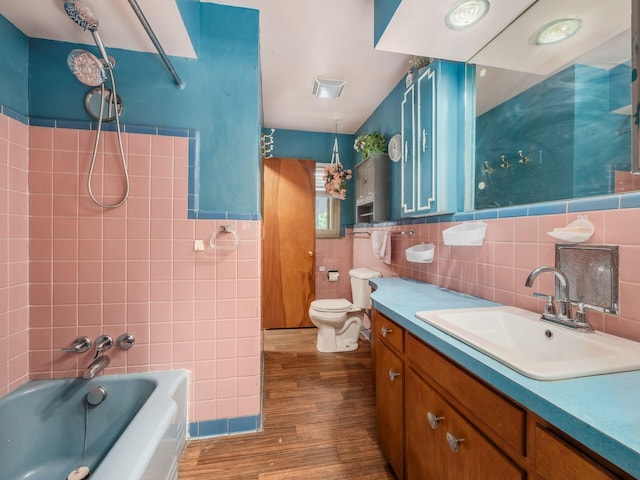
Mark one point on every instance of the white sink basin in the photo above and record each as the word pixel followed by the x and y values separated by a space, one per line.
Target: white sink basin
pixel 537 349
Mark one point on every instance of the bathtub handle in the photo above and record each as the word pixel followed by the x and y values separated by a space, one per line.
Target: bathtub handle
pixel 79 345
pixel 125 341
pixel 103 343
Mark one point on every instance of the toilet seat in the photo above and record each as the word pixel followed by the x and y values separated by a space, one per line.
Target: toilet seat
pixel 333 305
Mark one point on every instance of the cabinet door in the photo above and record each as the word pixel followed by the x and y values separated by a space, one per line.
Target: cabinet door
pixel 425 142
pixel 441 444
pixel 408 171
pixel 389 402
pixel 556 459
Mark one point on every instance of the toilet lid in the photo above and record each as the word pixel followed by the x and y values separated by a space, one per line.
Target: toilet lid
pixel 331 305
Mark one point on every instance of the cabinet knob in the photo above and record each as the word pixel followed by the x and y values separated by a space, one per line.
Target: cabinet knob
pixel 393 375
pixel 363 181
pixel 385 331
pixel 454 442
pixel 433 419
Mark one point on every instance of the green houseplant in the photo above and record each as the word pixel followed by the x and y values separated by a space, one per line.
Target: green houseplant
pixel 370 144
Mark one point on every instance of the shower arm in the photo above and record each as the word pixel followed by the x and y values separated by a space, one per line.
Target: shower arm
pixel 156 43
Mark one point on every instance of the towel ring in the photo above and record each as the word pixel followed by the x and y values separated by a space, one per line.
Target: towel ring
pixel 222 230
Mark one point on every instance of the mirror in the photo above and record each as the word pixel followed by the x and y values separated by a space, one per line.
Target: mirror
pixel 553 121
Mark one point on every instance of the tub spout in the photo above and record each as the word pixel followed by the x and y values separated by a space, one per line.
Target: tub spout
pixel 98 365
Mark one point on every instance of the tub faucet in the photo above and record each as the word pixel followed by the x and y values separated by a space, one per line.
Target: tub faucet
pixel 95 367
pixel 563 316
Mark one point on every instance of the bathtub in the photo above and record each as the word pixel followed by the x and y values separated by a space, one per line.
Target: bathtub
pixel 137 432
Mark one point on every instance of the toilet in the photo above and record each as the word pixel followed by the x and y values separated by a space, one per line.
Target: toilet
pixel 338 320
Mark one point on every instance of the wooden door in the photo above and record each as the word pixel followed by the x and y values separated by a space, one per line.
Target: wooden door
pixel 288 247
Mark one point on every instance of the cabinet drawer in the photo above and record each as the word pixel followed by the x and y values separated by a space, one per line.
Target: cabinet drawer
pixel 499 418
pixel 442 444
pixel 389 333
pixel 554 458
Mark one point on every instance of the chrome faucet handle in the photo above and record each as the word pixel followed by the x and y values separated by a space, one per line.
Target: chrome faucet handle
pixel 103 343
pixel 79 345
pixel 581 319
pixel 126 341
pixel 549 307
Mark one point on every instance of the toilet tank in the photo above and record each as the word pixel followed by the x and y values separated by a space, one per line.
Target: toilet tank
pixel 360 289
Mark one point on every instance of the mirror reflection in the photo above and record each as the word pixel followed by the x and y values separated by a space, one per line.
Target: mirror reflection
pixel 553 115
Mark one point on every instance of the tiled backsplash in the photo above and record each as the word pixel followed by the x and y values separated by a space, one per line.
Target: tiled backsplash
pixel 512 248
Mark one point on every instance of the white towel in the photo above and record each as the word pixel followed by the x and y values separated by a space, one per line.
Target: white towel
pixel 377 243
pixel 386 256
pixel 381 245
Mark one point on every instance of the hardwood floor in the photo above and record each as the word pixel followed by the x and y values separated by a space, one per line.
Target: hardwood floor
pixel 318 415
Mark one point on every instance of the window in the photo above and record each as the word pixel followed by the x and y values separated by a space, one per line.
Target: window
pixel 327 208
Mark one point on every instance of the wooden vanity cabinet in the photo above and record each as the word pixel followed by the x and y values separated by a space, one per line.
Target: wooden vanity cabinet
pixel 389 348
pixel 427 406
pixel 441 444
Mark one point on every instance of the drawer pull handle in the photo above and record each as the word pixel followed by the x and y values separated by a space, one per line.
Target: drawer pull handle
pixel 393 375
pixel 433 420
pixel 385 331
pixel 454 442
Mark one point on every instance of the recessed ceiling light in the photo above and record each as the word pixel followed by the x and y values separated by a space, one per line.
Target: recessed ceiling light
pixel 466 13
pixel 325 88
pixel 558 30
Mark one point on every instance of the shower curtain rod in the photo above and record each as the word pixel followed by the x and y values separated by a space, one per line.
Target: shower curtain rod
pixel 156 43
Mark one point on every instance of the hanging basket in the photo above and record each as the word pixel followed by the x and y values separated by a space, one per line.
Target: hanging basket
pixel 335 176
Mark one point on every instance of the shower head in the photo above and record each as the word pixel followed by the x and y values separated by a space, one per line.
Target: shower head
pixel 86 67
pixel 81 14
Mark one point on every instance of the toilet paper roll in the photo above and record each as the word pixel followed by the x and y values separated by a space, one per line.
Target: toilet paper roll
pixel 333 275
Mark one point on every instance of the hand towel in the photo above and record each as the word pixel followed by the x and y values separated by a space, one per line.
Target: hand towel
pixel 377 243
pixel 386 253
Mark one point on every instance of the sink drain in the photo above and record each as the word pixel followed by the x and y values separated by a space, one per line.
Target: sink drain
pixel 548 334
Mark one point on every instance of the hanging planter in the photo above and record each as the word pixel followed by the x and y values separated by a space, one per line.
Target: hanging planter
pixel 335 176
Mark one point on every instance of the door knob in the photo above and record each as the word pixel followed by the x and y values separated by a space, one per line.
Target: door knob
pixel 310 253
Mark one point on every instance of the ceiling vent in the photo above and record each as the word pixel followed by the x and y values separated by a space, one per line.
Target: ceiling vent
pixel 324 88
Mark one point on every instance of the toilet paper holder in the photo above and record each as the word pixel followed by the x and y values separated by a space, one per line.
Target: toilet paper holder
pixel 333 275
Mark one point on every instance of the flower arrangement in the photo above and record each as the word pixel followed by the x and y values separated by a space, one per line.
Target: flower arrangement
pixel 370 144
pixel 335 180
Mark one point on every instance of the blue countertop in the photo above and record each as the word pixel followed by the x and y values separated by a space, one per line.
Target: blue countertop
pixel 600 411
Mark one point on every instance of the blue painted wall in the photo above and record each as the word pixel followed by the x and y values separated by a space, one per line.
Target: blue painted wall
pixel 386 119
pixel 14 78
pixel 221 99
pixel 319 147
pixel 383 11
pixel 565 126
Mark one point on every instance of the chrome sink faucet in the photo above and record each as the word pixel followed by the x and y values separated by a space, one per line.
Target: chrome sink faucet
pixel 563 316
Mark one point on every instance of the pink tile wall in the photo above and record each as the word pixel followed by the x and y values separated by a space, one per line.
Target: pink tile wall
pixel 133 269
pixel 334 254
pixel 14 254
pixel 513 247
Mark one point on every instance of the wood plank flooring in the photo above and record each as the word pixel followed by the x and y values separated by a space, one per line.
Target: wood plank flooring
pixel 318 415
